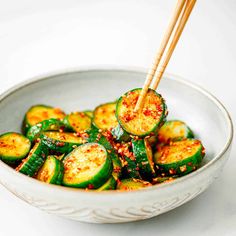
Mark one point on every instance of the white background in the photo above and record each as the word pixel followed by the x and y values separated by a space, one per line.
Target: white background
pixel 45 35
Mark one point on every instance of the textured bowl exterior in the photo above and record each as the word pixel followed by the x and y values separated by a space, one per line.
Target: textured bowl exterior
pixel 117 207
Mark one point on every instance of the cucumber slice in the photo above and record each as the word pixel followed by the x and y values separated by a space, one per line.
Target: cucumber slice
pixel 46 125
pixel 51 172
pixel 39 113
pixel 88 113
pixel 174 130
pixel 148 120
pixel 119 134
pixel 130 169
pixel 32 163
pixel 104 116
pixel 13 147
pixel 61 142
pixel 132 184
pixel 61 157
pixel 129 166
pixel 88 166
pixel 152 140
pixel 109 185
pixel 180 157
pixel 166 179
pixel 143 154
pixel 77 122
pixel 94 136
pixel 116 165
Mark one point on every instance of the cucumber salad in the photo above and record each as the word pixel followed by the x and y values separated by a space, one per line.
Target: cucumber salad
pixel 110 148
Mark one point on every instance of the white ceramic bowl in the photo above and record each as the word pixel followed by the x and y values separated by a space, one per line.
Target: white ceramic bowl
pixel 84 89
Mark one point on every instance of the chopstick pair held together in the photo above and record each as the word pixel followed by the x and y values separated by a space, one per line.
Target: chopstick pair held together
pixel 179 19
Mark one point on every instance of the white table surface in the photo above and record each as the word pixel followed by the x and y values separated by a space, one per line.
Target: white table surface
pixel 45 35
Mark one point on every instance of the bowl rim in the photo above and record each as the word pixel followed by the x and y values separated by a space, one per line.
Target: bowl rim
pixel 128 69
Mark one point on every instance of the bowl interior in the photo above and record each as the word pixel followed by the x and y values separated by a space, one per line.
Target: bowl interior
pixel 86 89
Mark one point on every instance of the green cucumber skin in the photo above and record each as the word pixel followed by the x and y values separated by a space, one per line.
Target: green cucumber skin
pixel 11 160
pixel 120 134
pixel 109 185
pixel 159 180
pixel 191 163
pixel 58 146
pixel 25 124
pixel 67 124
pixel 131 169
pixel 140 154
pixel 88 113
pixel 96 137
pixel 96 181
pixel 116 173
pixel 35 162
pixel 157 126
pixel 59 172
pixel 46 125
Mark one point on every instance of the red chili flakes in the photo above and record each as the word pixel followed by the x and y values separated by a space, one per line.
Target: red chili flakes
pixel 183 168
pixel 118 181
pixel 128 117
pixel 102 110
pixel 104 121
pixel 90 186
pixel 18 167
pixel 147 112
pixel 58 111
pixel 44 175
pixel 45 114
pixel 84 135
pixel 117 169
pixel 203 151
pixel 81 134
pixel 60 144
pixel 123 150
pixel 63 137
pixel 125 103
pixel 172 171
pixel 108 136
pixel 2 144
pixel 88 150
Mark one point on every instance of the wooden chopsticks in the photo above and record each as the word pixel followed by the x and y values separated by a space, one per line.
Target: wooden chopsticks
pixel 178 21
